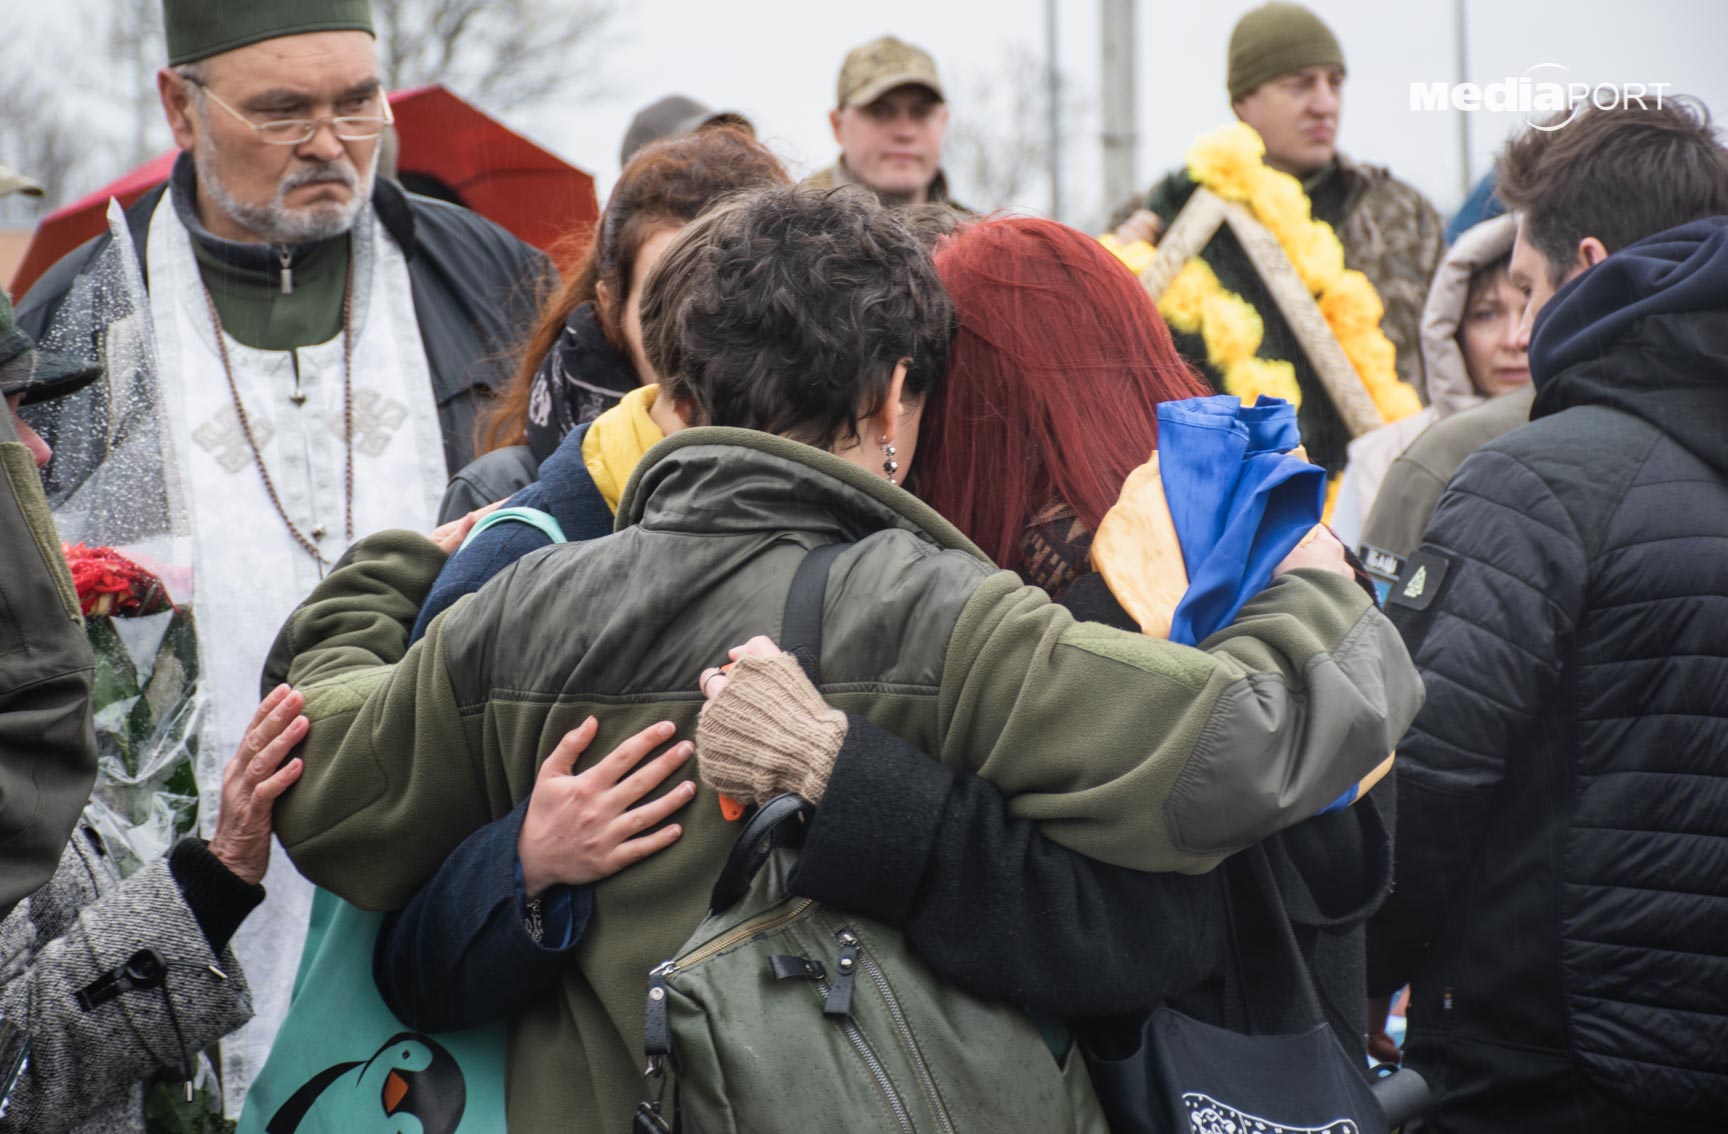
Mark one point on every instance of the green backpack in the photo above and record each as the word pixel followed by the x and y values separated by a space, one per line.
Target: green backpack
pixel 781 1014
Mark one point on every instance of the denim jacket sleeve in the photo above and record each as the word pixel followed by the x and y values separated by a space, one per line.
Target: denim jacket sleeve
pixel 458 954
pixel 470 568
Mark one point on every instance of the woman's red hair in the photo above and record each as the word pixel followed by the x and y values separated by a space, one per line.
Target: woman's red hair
pixel 1054 377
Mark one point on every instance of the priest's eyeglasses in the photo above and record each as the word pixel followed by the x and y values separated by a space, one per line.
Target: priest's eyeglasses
pixel 299 131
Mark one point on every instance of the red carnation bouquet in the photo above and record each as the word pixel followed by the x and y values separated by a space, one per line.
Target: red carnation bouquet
pixel 109 584
pixel 145 701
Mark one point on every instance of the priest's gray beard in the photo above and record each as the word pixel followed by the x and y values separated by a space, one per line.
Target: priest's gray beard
pixel 276 222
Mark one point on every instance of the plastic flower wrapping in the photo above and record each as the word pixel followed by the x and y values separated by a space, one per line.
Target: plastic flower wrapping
pixel 113 487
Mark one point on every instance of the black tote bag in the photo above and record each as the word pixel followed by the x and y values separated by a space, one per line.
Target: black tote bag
pixel 1191 1077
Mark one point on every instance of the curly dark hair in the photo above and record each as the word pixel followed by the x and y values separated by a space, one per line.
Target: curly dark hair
pixel 1619 175
pixel 787 310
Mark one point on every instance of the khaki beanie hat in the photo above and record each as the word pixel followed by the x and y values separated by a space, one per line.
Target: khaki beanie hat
pixel 1276 39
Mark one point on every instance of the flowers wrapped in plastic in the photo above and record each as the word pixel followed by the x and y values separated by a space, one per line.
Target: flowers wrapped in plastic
pixel 114 493
pixel 144 701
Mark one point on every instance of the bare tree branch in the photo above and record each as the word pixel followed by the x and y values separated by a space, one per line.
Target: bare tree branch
pixel 135 47
pixel 46 143
pixel 998 146
pixel 501 53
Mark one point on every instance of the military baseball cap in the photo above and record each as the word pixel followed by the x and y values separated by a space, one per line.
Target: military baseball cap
pixel 674 115
pixel 38 375
pixel 879 66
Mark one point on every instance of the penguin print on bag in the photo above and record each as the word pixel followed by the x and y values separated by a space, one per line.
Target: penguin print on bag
pixel 411 1085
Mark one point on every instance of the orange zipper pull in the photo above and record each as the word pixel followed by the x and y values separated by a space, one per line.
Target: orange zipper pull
pixel 731 809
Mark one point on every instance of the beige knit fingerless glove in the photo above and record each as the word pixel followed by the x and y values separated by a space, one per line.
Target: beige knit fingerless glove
pixel 768 732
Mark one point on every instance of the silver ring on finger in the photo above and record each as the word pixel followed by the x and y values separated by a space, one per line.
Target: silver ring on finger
pixel 711 677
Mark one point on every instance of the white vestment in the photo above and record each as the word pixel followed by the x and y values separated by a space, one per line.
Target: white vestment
pixel 248 571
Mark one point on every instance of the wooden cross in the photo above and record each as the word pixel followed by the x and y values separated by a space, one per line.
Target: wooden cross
pixel 1194 228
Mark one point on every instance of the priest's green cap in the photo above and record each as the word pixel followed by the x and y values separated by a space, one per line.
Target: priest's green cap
pixel 198 29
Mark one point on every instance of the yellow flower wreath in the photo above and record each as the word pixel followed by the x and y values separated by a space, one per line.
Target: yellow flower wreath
pixel 1231 163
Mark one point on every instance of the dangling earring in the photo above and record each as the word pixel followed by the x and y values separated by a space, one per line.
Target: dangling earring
pixel 889 465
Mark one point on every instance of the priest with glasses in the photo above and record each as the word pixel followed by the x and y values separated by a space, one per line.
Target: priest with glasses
pixel 322 340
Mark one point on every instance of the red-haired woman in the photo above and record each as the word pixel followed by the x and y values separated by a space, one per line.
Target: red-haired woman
pixel 1055 373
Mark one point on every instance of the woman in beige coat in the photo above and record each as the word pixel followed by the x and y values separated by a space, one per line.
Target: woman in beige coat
pixel 1470 354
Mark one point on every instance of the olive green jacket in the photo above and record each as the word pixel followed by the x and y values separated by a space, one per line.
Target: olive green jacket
pixel 1126 748
pixel 47 740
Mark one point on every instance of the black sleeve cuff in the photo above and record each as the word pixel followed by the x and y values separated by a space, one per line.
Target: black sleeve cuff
pixel 217 896
pixel 1088 599
pixel 871 840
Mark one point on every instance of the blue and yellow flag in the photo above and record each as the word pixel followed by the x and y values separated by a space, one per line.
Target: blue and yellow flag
pixel 1200 527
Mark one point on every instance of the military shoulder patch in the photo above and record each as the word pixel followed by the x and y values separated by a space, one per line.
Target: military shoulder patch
pixel 1421 580
pixel 1381 563
pixel 1383 567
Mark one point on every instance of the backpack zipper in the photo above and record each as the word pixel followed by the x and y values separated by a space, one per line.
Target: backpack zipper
pixel 855 1037
pixel 902 1117
pixel 925 1080
pixel 726 940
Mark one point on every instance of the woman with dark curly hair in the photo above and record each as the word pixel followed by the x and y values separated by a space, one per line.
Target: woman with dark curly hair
pixel 1055 374
pixel 583 406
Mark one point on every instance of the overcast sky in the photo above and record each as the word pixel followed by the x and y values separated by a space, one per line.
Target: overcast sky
pixel 776 60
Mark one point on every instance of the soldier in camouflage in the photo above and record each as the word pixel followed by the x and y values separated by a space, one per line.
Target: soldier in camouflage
pixel 1286 79
pixel 890 119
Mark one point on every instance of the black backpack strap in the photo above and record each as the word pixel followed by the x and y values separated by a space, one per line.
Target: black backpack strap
pixel 801 626
pixel 777 823
pixel 780 822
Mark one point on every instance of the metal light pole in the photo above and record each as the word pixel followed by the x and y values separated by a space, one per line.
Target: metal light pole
pixel 1121 136
pixel 1462 37
pixel 1053 96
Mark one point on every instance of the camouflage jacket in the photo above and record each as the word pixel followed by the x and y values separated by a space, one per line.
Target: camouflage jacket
pixel 837 174
pixel 1395 237
pixel 1390 233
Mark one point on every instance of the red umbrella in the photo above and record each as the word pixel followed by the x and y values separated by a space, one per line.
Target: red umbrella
pixel 492 169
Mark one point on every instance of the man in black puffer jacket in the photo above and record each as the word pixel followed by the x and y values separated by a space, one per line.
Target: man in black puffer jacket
pixel 1563 795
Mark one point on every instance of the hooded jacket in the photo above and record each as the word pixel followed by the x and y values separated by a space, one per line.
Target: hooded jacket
pixel 1563 795
pixel 1076 938
pixel 1444 383
pixel 410 752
